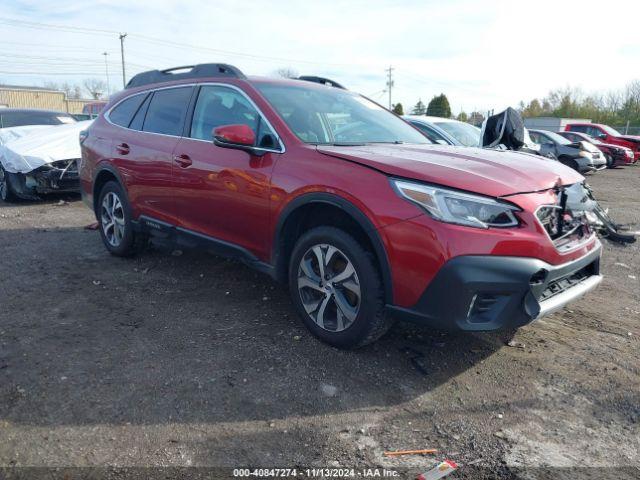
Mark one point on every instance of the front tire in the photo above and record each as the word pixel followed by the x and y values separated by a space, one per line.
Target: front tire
pixel 570 163
pixel 115 225
pixel 609 160
pixel 336 289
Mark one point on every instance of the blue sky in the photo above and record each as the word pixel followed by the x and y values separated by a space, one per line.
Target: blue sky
pixel 483 55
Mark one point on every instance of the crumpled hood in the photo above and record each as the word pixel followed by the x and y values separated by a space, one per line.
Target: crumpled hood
pixel 42 146
pixel 490 172
pixel 10 134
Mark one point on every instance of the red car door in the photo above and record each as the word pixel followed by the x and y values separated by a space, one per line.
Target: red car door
pixel 223 193
pixel 144 152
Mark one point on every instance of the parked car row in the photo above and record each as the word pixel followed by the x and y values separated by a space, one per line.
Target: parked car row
pixel 615 155
pixel 580 151
pixel 608 135
pixel 581 156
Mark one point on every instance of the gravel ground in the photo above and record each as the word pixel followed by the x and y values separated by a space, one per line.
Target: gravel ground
pixel 190 360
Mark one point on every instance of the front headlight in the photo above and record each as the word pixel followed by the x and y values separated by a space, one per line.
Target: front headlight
pixel 585 154
pixel 460 208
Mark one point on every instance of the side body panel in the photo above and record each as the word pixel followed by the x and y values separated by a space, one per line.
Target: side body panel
pixel 224 194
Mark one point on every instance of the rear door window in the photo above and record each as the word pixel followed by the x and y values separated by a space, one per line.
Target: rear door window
pixel 167 110
pixel 124 111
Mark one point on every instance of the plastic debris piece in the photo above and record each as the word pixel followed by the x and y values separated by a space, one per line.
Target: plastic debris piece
pixel 91 226
pixel 410 452
pixel 439 471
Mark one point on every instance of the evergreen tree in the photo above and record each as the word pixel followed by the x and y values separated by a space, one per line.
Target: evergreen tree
pixel 439 107
pixel 419 108
pixel 397 109
pixel 462 117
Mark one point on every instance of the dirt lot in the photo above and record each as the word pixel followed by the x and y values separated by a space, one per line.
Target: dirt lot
pixel 193 360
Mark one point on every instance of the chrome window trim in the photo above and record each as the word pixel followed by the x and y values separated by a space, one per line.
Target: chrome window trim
pixel 215 84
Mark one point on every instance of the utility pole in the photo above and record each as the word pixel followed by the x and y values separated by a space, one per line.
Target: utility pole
pixel 124 76
pixel 389 83
pixel 106 68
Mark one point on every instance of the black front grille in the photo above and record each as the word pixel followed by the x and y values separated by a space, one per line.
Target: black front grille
pixel 561 284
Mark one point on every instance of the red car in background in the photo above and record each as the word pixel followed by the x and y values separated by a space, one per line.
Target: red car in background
pixel 93 108
pixel 606 134
pixel 616 155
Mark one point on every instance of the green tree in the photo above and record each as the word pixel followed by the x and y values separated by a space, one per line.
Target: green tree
pixel 439 106
pixel 534 109
pixel 462 117
pixel 397 109
pixel 419 108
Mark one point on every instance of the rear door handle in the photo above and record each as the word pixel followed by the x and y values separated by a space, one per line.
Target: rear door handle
pixel 122 149
pixel 183 160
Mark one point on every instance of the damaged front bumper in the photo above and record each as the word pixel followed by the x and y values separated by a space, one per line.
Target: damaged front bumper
pixel 56 177
pixel 486 292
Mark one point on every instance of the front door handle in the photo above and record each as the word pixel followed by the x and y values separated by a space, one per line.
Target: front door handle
pixel 183 160
pixel 122 149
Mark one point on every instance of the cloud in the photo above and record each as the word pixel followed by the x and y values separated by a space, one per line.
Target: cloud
pixel 483 55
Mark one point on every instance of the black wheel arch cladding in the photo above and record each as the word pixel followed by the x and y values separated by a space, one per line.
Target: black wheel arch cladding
pixel 280 261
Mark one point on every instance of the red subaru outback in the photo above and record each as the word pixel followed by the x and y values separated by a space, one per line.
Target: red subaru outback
pixel 327 191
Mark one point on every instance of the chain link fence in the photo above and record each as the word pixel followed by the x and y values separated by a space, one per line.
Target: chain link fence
pixel 632 130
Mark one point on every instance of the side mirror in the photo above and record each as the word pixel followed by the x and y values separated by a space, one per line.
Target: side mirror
pixel 234 136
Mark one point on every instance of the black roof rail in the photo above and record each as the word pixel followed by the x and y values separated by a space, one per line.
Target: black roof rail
pixel 322 80
pixel 193 71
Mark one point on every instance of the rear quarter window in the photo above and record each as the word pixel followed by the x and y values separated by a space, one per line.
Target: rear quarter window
pixel 124 111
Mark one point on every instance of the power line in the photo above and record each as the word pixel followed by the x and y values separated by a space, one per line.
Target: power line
pixel 64 28
pixel 162 42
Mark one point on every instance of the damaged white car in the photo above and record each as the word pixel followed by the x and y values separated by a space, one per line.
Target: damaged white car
pixel 40 160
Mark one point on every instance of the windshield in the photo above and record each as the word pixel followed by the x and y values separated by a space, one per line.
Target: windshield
pixel 327 115
pixel 466 134
pixel 610 131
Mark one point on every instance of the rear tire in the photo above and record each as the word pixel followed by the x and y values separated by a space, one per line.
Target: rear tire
pixel 342 302
pixel 114 219
pixel 6 192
